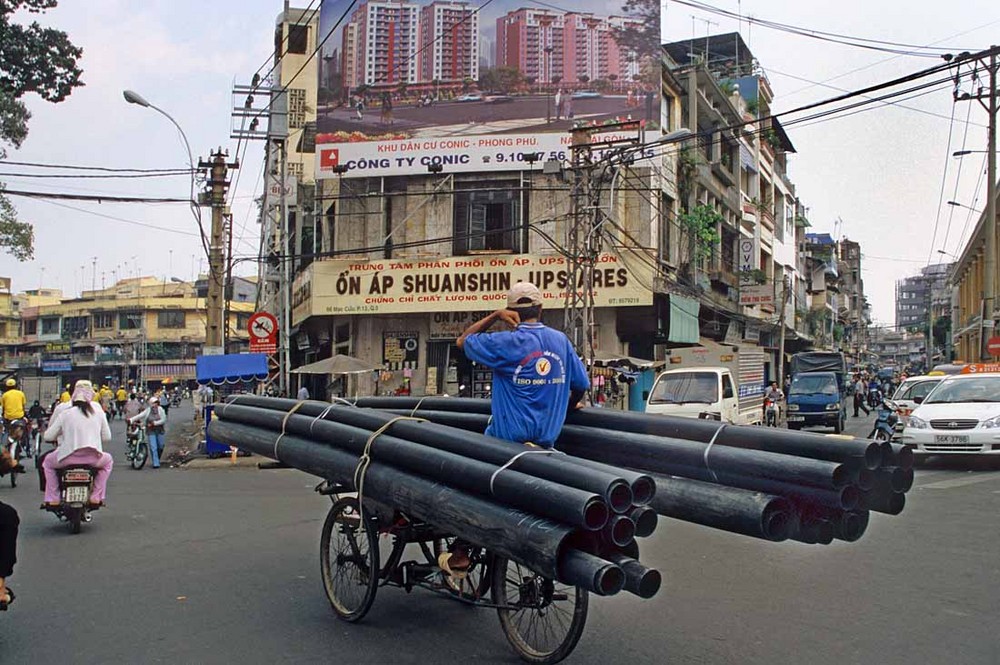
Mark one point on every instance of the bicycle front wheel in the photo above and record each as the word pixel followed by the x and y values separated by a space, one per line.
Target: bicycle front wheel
pixel 349 560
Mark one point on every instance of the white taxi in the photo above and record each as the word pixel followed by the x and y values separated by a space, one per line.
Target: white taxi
pixel 960 416
pixel 912 392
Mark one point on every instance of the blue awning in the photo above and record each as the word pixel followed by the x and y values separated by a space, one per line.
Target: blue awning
pixel 231 368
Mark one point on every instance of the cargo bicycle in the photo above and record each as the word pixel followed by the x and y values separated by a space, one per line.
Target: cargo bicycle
pixel 541 618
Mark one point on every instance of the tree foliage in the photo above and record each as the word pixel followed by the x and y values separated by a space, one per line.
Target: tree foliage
pixel 643 39
pixel 702 222
pixel 36 60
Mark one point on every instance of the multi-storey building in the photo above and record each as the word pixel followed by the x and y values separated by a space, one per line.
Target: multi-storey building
pixel 383 44
pixel 449 42
pixel 740 175
pixel 531 40
pixel 919 295
pixel 853 311
pixel 140 329
pixel 898 349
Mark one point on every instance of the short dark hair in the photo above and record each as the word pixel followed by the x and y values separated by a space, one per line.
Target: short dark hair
pixel 533 312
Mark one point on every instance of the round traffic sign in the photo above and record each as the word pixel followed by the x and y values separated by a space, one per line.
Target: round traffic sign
pixel 993 346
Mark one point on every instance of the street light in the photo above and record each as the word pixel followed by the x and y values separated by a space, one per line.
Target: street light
pixel 962 205
pixel 133 97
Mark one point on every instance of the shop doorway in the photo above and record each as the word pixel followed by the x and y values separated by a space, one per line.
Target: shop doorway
pixel 456 375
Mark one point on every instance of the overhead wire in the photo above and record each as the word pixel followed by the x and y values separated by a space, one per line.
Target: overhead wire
pixel 78 176
pixel 898 48
pixel 92 197
pixel 105 169
pixel 958 180
pixel 944 178
pixel 119 219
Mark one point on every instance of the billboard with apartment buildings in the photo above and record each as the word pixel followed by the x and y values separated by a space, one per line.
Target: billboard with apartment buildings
pixel 407 86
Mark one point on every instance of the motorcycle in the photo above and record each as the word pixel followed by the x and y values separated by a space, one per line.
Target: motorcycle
pixel 35 430
pixel 886 420
pixel 75 486
pixel 770 412
pixel 136 448
pixel 13 445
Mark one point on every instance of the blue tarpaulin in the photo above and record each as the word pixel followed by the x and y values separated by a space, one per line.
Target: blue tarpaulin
pixel 231 368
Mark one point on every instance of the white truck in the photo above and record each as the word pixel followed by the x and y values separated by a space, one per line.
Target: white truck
pixel 43 388
pixel 718 381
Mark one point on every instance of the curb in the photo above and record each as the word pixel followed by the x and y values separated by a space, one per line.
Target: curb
pixel 221 463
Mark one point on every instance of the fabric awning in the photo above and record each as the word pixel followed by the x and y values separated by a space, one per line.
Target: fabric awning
pixel 683 327
pixel 337 364
pixel 231 368
pixel 169 371
pixel 747 160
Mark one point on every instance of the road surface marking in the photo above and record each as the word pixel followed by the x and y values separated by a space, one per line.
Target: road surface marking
pixel 961 482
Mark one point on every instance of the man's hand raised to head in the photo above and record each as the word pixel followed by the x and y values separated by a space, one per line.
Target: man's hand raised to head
pixel 509 316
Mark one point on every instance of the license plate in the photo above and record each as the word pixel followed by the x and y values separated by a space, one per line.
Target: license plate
pixel 951 438
pixel 77 476
pixel 796 419
pixel 77 494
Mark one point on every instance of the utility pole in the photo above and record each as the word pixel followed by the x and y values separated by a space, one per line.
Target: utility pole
pixel 990 264
pixel 781 331
pixel 218 183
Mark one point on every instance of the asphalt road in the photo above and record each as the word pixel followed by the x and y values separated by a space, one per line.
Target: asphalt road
pixel 221 566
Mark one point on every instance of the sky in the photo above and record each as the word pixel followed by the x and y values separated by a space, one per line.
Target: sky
pixel 880 171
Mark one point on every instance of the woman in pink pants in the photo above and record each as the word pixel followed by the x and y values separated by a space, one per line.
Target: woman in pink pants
pixel 81 431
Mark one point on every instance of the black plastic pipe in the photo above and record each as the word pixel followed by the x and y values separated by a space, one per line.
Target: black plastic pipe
pixel 645 519
pixel 883 500
pixel 619 531
pixel 615 489
pixel 897 478
pixel 605 578
pixel 814 531
pixel 680 457
pixel 542 497
pixel 832 448
pixel 537 542
pixel 639 579
pixel 728 508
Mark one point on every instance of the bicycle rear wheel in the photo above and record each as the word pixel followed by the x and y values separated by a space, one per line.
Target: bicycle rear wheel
pixel 541 618
pixel 349 560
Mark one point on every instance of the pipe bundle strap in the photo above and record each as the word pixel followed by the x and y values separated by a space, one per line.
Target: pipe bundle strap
pixel 510 462
pixel 284 422
pixel 709 448
pixel 366 458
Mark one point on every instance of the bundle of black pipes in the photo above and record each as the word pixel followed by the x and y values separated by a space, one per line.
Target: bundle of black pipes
pixel 564 518
pixel 757 481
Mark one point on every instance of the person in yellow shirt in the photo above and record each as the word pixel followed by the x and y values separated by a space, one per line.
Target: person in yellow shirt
pixel 121 397
pixel 14 403
pixel 65 396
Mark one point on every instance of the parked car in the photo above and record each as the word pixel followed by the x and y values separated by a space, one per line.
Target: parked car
pixel 961 415
pixel 912 392
pixel 470 97
pixel 586 94
pixel 497 99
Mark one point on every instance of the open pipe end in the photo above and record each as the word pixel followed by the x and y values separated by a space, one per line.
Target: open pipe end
pixel 609 580
pixel 649 584
pixel 866 479
pixel 841 476
pixel 643 491
pixel 779 525
pixel 620 530
pixel 645 519
pixel 905 480
pixel 619 497
pixel 824 532
pixel 904 456
pixel 873 456
pixel 853 526
pixel 850 497
pixel 595 514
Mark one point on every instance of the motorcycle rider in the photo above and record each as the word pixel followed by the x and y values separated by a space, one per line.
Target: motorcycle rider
pixel 154 418
pixel 81 430
pixel 774 395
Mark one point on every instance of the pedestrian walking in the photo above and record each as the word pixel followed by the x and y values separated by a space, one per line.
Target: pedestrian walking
pixel 359 108
pixel 568 107
pixel 386 118
pixel 559 103
pixel 860 394
pixel 155 419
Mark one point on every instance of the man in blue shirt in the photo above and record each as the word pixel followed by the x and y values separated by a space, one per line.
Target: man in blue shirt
pixel 537 376
pixel 537 379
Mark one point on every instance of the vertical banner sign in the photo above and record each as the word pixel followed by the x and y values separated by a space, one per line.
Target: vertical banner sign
pixel 748 260
pixel 263 330
pixel 400 350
